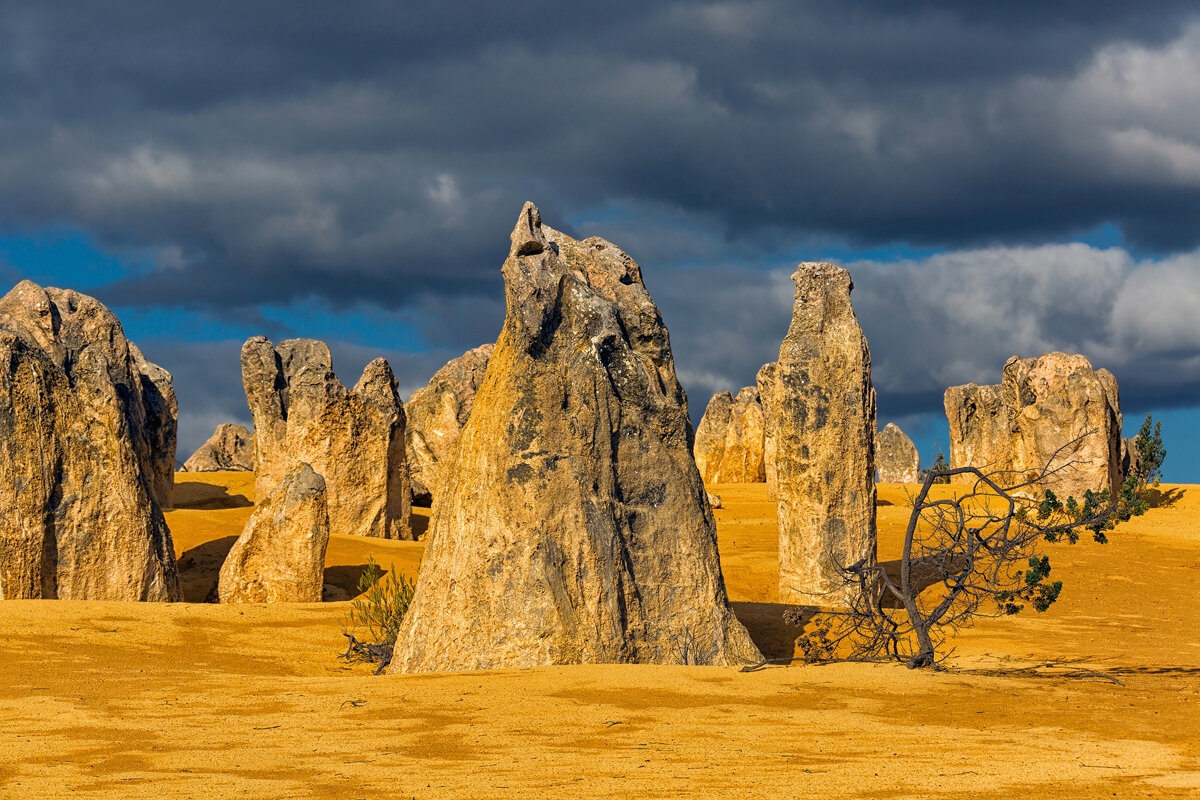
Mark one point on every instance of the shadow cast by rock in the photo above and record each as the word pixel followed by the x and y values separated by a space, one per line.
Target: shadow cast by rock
pixel 765 624
pixel 207 497
pixel 200 566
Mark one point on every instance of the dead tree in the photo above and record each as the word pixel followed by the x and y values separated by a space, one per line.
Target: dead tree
pixel 974 553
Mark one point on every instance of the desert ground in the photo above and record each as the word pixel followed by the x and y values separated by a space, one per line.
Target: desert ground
pixel 189 700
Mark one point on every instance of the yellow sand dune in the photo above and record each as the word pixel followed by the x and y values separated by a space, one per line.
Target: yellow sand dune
pixel 204 701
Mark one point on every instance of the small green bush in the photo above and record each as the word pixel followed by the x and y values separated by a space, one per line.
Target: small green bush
pixel 382 602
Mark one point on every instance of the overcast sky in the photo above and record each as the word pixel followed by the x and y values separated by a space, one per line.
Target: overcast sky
pixel 1004 178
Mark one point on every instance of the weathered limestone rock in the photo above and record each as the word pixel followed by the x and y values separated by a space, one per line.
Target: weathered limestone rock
pixel 742 459
pixel 1040 405
pixel 729 439
pixel 230 448
pixel 81 447
pixel 709 446
pixel 824 426
pixel 162 424
pixel 574 527
pixel 435 415
pixel 1131 457
pixel 353 438
pixel 766 396
pixel 713 500
pixel 978 428
pixel 280 556
pixel 896 456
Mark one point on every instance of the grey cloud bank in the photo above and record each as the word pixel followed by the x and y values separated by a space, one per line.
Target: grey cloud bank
pixel 376 153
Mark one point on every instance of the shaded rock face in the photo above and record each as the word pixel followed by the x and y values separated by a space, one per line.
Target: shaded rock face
pixel 766 396
pixel 823 421
pixel 230 448
pixel 896 456
pixel 280 556
pixel 436 413
pixel 86 428
pixel 729 443
pixel 574 527
pixel 162 425
pixel 1039 406
pixel 1131 457
pixel 353 438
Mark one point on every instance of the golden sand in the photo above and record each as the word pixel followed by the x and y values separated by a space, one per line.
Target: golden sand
pixel 123 700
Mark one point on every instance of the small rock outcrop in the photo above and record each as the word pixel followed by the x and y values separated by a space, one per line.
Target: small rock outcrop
pixel 574 527
pixel 766 396
pixel 1025 422
pixel 709 447
pixel 353 438
pixel 229 449
pixel 729 439
pixel 280 556
pixel 86 427
pixel 896 456
pixel 823 421
pixel 436 413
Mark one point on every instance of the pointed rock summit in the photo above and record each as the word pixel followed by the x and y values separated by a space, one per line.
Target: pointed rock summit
pixel 280 556
pixel 822 420
pixel 574 527
pixel 1039 406
pixel 896 456
pixel 229 449
pixel 87 440
pixel 353 438
pixel 437 413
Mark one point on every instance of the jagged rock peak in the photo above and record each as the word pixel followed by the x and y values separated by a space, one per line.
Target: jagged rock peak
pixel 574 526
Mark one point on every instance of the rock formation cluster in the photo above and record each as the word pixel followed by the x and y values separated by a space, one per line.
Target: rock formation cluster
pixel 574 526
pixel 436 414
pixel 729 439
pixel 822 419
pixel 280 556
pixel 230 448
pixel 87 439
pixel 1023 424
pixel 896 456
pixel 353 438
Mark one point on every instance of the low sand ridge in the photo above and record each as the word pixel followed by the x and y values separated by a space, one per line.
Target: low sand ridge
pixel 190 700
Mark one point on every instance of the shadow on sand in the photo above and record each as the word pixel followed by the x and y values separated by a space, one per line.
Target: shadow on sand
pixel 764 622
pixel 207 497
pixel 199 567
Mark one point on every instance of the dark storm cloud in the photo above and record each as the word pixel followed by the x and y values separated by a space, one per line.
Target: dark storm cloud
pixel 242 154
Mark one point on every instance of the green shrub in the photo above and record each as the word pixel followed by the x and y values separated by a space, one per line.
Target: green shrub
pixel 381 604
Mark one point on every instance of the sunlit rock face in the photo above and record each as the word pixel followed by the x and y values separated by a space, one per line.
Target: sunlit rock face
pixel 729 439
pixel 896 456
pixel 353 438
pixel 230 448
pixel 1030 419
pixel 280 556
pixel 574 526
pixel 87 436
pixel 822 421
pixel 435 414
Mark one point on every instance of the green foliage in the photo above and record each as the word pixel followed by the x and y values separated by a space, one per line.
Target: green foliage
pixel 382 602
pixel 1036 590
pixel 941 465
pixel 1148 470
